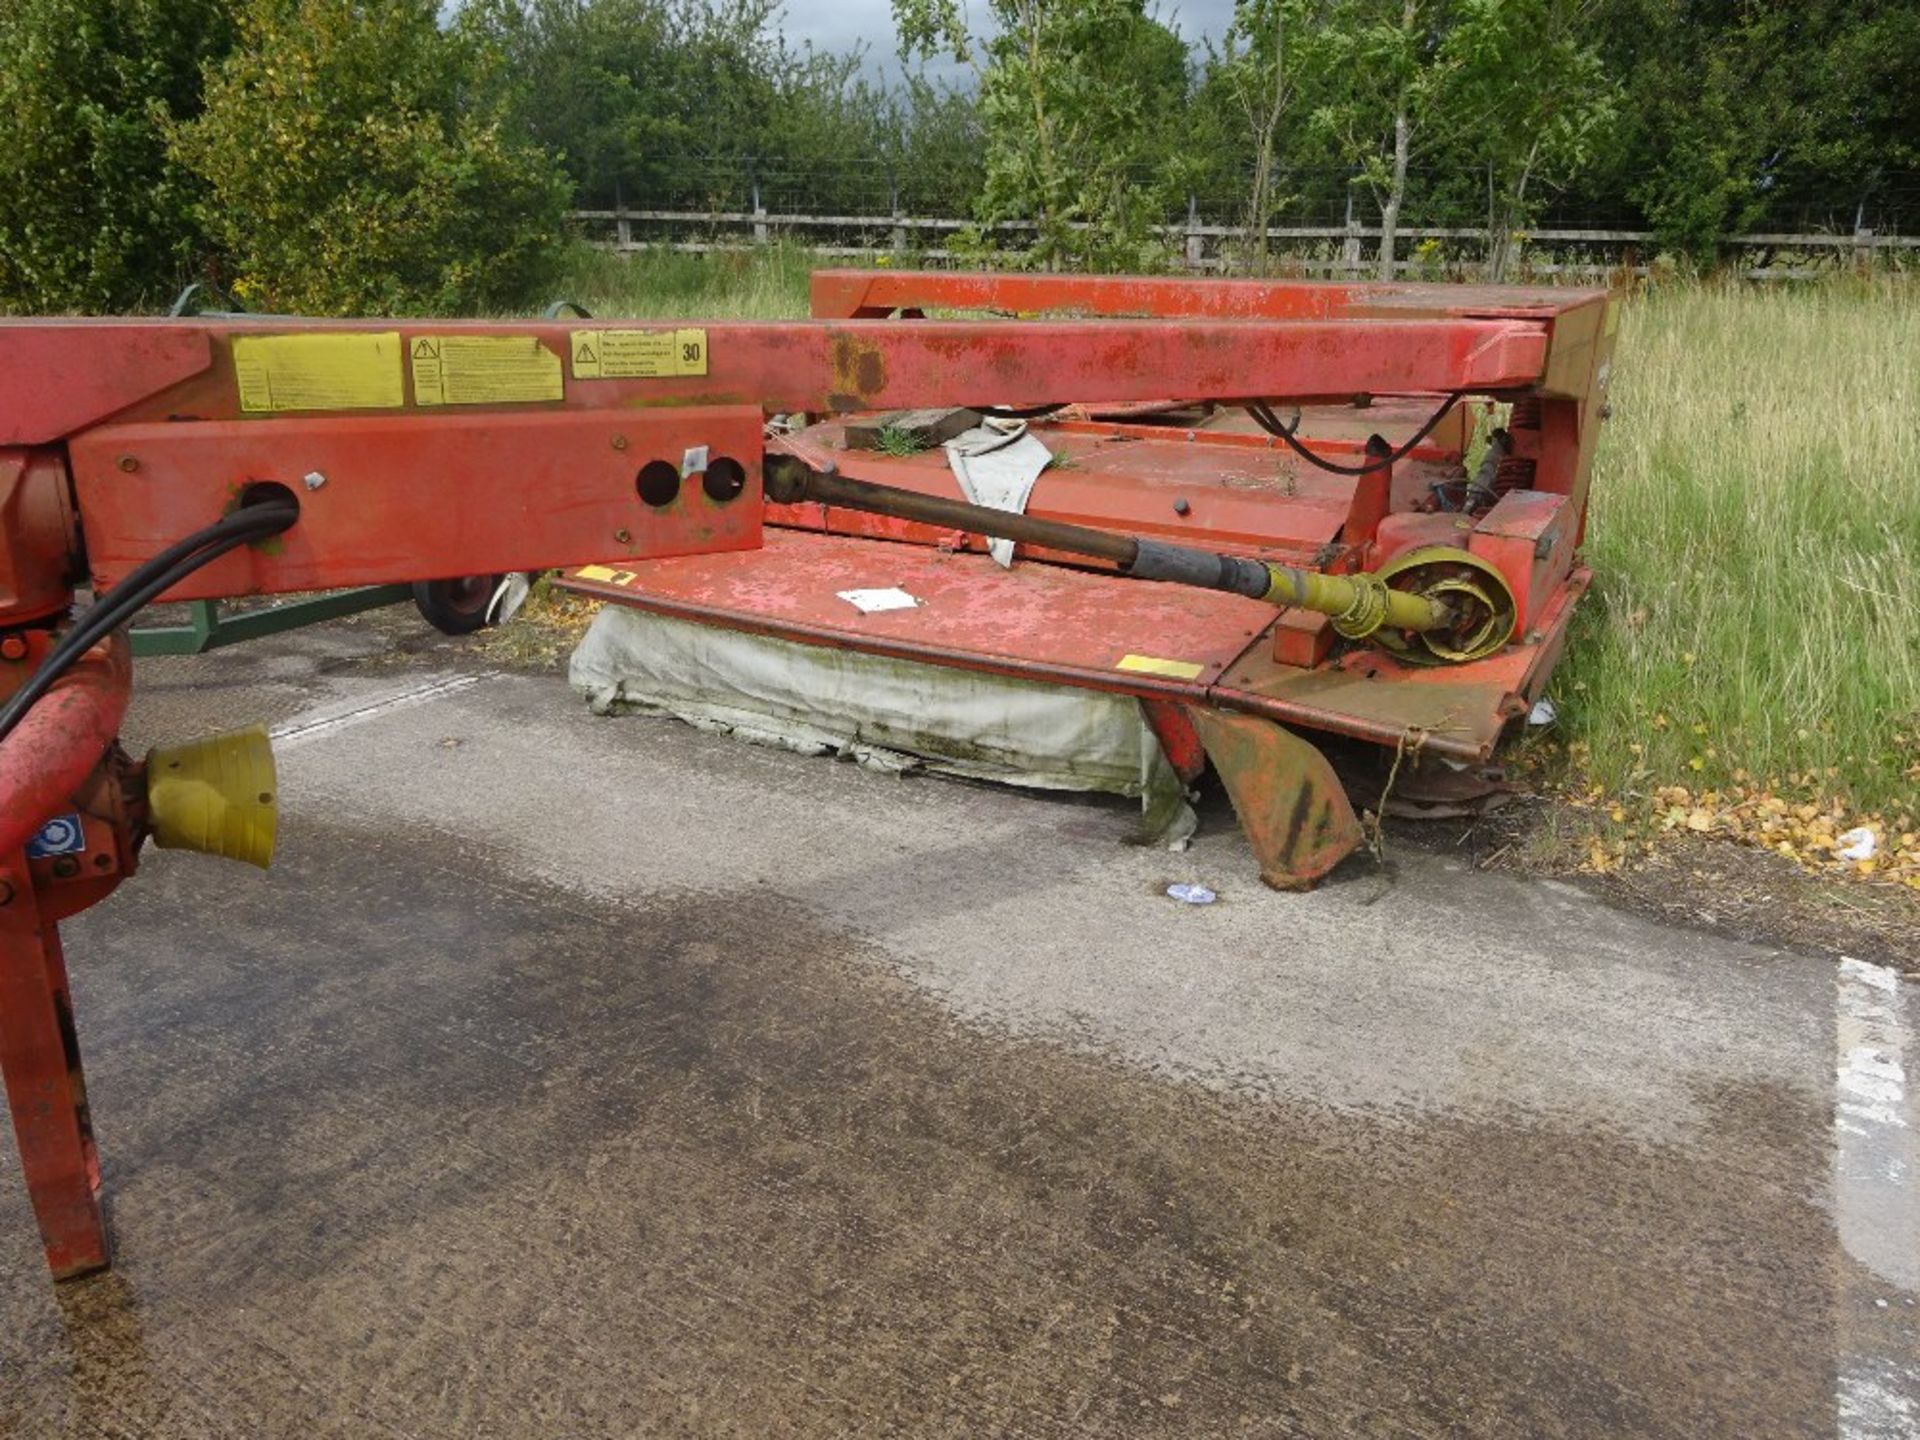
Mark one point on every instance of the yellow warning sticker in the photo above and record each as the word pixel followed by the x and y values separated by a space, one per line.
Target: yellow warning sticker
pixel 484 370
pixel 605 574
pixel 319 372
pixel 638 354
pixel 1151 665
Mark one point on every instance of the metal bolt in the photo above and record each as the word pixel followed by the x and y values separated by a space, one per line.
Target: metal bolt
pixel 129 464
pixel 1181 507
pixel 623 536
pixel 66 867
pixel 619 442
pixel 313 479
pixel 14 647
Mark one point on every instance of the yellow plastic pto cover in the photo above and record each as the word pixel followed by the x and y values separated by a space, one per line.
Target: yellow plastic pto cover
pixel 217 796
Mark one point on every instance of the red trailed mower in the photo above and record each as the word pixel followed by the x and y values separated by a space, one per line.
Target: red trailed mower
pixel 1287 460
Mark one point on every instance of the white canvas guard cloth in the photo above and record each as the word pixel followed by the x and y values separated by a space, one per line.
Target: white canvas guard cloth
pixel 996 464
pixel 887 714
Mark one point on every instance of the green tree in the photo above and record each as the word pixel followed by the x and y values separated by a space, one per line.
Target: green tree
pixel 359 159
pixel 653 98
pixel 1397 70
pixel 1080 103
pixel 1743 115
pixel 1261 81
pixel 94 214
pixel 1530 104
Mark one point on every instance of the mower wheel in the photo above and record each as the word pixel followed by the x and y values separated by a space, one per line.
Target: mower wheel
pixel 458 606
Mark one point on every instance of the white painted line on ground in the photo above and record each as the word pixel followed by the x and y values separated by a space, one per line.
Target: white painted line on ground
pixel 326 719
pixel 1876 1192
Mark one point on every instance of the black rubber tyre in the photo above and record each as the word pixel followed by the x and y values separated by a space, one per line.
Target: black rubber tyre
pixel 458 606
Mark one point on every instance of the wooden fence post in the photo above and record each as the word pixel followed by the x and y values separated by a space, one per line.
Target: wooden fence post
pixel 1350 247
pixel 759 217
pixel 1196 242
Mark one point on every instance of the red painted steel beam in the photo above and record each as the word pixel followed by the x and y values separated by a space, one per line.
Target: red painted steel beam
pixel 821 366
pixel 390 497
pixel 57 377
pixel 846 294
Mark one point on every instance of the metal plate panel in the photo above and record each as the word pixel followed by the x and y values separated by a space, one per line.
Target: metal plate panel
pixel 1038 621
pixel 406 498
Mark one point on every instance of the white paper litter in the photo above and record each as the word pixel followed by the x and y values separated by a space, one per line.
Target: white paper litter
pixel 1857 844
pixel 1192 894
pixel 1544 712
pixel 878 602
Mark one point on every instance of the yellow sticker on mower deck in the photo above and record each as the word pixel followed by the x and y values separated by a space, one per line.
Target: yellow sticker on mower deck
pixel 484 370
pixel 606 575
pixel 638 354
pixel 1153 665
pixel 353 371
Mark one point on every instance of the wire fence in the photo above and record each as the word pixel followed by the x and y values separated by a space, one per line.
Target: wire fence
pixel 1325 222
pixel 879 186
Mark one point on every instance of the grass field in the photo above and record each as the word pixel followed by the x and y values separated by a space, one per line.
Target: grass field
pixel 1755 529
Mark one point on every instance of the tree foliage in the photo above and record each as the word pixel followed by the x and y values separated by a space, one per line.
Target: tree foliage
pixel 359 159
pixel 94 213
pixel 416 154
pixel 1081 104
pixel 1743 115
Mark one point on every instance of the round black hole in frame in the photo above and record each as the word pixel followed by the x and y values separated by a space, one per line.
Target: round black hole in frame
pixel 658 483
pixel 726 478
pixel 267 492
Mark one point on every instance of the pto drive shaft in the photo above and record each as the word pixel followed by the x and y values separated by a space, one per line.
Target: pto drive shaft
pixel 1361 605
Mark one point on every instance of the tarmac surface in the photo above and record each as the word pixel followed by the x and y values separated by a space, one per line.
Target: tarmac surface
pixel 579 1077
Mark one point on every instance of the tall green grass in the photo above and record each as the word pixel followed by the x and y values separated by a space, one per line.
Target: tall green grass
pixel 1755 530
pixel 1755 525
pixel 769 284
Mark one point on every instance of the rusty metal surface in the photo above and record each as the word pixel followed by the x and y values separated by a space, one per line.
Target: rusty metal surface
pixel 858 365
pixel 1036 621
pixel 1578 319
pixel 1074 627
pixel 405 499
pixel 1291 804
pixel 847 293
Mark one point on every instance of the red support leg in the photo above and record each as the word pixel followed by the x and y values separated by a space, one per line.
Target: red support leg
pixel 40 1055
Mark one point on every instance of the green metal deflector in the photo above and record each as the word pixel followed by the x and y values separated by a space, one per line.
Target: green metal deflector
pixel 206 630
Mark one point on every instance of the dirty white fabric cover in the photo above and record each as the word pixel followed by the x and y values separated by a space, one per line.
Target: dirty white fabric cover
pixel 996 464
pixel 887 714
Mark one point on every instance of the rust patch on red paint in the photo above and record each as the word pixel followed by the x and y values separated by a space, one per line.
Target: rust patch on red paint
pixel 859 372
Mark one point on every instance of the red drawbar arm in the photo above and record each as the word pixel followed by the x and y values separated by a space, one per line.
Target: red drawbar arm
pixel 57 743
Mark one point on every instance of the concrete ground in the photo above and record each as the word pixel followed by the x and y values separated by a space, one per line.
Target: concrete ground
pixel 576 1077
